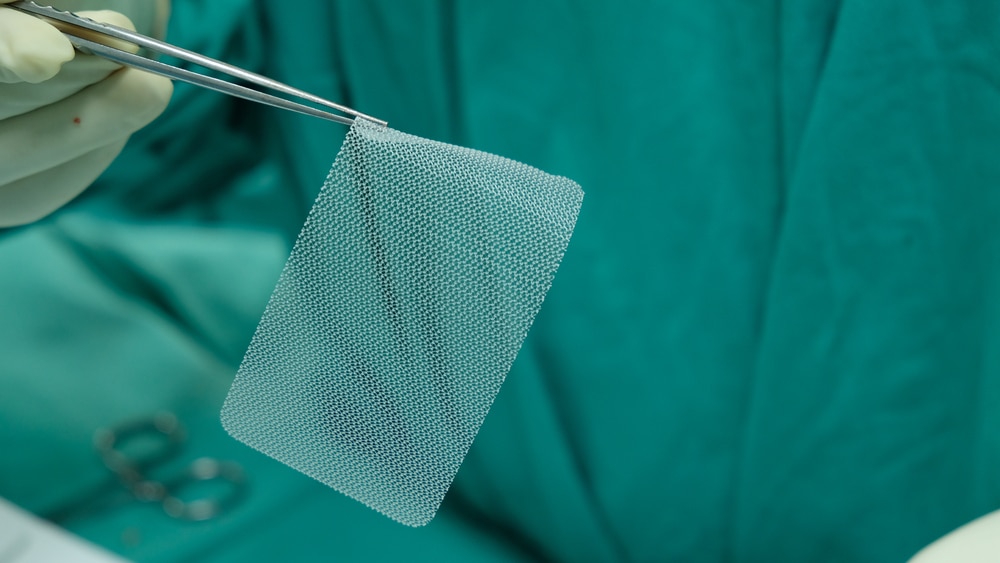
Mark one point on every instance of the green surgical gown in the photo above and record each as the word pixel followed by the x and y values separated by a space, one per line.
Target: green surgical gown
pixel 774 337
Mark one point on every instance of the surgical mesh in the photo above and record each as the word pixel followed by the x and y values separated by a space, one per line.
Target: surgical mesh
pixel 398 315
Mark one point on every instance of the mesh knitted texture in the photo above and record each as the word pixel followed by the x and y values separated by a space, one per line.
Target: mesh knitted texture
pixel 398 315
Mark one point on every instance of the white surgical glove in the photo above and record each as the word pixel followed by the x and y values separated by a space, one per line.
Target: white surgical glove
pixel 976 542
pixel 64 117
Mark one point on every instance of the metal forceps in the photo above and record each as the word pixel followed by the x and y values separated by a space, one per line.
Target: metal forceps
pixel 71 25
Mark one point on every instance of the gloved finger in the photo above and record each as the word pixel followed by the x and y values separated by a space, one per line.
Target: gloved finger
pixel 110 110
pixel 21 97
pixel 30 49
pixel 976 542
pixel 34 197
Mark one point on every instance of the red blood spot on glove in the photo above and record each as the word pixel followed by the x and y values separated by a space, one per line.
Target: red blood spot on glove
pixel 76 120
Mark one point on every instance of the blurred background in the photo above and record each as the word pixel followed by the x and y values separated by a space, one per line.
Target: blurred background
pixel 774 335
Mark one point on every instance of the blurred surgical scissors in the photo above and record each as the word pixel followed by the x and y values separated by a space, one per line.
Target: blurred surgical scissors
pixel 76 29
pixel 167 435
pixel 142 454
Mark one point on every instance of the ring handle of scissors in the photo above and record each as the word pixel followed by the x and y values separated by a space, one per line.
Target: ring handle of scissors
pixel 110 443
pixel 208 507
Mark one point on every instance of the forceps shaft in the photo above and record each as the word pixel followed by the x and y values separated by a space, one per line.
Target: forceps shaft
pixel 69 24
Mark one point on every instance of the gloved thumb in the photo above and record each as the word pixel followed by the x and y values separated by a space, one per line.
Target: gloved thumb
pixel 30 49
pixel 33 50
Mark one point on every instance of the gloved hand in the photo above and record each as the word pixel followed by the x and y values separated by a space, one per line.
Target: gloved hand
pixel 64 117
pixel 976 542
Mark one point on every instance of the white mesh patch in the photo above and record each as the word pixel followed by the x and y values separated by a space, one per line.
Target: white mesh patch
pixel 399 313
